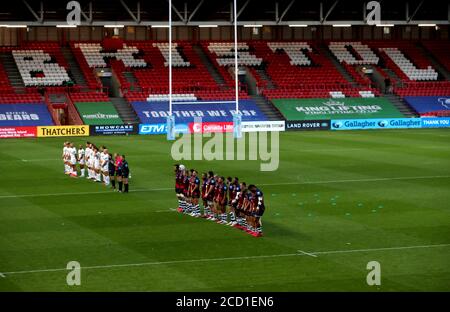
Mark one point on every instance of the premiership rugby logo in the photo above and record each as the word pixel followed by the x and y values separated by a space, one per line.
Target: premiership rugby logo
pixel 445 102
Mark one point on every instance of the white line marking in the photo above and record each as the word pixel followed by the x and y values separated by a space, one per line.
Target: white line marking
pixel 264 184
pixel 307 253
pixel 302 253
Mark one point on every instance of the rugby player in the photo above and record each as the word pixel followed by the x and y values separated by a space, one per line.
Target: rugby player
pixel 194 193
pixel 81 160
pixel 238 205
pixel 97 168
pixel 64 158
pixel 125 173
pixel 179 185
pixel 88 159
pixel 73 160
pixel 104 164
pixel 233 189
pixel 210 189
pixel 220 200
pixel 186 194
pixel 257 202
pixel 203 194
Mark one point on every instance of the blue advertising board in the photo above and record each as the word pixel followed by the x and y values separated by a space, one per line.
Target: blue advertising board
pixel 387 123
pixel 437 122
pixel 161 128
pixel 24 115
pixel 427 104
pixel 209 111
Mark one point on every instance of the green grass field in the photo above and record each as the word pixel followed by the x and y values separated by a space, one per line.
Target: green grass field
pixel 345 198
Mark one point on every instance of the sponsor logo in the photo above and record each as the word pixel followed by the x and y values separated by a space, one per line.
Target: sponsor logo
pixel 17 132
pixel 62 131
pixel 445 102
pixel 100 116
pixel 113 130
pixel 393 123
pixel 161 128
pixel 18 116
pixel 308 125
pixel 211 127
pixel 436 122
pixel 256 126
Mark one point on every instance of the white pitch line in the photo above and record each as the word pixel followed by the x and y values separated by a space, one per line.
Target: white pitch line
pixel 307 253
pixel 263 184
pixel 301 253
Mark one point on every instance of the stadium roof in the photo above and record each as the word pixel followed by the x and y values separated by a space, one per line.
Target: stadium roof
pixel 218 12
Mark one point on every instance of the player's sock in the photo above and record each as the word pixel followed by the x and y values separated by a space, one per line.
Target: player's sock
pixel 99 177
pixel 126 188
pixel 197 209
pixel 82 173
pixel 223 217
pixel 179 203
pixel 232 217
pixel 113 183
pixel 183 205
pixel 120 186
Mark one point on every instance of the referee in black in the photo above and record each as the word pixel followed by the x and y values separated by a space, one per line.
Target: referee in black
pixel 125 173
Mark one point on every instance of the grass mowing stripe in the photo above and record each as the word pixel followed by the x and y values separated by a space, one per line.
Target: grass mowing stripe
pixel 263 184
pixel 300 253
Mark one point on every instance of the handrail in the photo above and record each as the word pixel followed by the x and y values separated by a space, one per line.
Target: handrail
pixel 73 115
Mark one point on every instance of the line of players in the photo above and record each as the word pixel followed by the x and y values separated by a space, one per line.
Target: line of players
pixel 225 201
pixel 98 163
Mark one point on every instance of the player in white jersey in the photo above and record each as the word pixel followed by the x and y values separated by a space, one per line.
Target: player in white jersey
pixel 81 160
pixel 64 158
pixel 87 159
pixel 104 163
pixel 97 167
pixel 73 160
pixel 92 162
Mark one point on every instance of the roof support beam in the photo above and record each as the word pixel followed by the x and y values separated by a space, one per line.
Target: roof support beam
pixel 178 13
pixel 195 10
pixel 286 10
pixel 88 18
pixel 329 11
pixel 415 11
pixel 134 17
pixel 242 9
pixel 39 18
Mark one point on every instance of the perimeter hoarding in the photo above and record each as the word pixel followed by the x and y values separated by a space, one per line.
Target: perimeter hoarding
pixel 429 104
pixel 20 115
pixel 388 123
pixel 98 113
pixel 17 132
pixel 327 109
pixel 209 111
pixel 63 131
pixel 113 129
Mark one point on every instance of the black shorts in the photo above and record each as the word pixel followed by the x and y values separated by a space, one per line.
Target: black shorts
pixel 259 213
pixel 125 175
pixel 179 190
pixel 195 195
pixel 119 173
pixel 112 172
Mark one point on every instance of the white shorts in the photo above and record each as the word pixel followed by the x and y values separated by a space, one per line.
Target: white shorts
pixel 73 161
pixel 81 162
pixel 105 168
pixel 97 165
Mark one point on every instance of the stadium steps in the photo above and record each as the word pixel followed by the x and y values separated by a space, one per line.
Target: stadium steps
pixel 264 76
pixel 13 72
pixel 126 112
pixel 325 51
pixel 401 105
pixel 267 108
pixel 437 66
pixel 209 65
pixel 75 70
pixel 129 76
